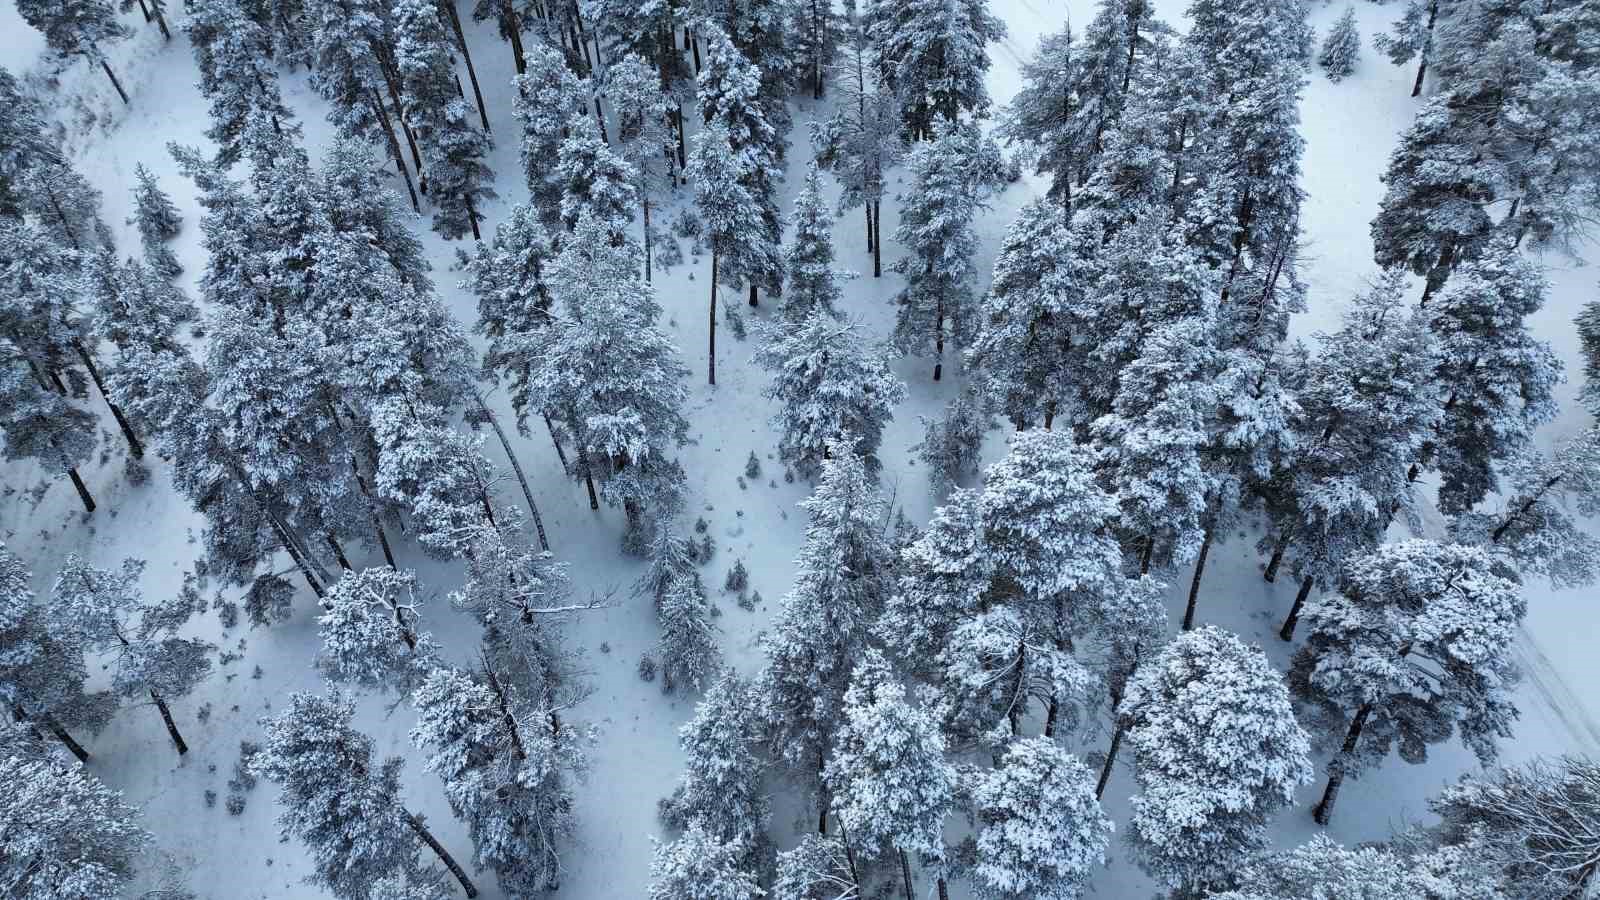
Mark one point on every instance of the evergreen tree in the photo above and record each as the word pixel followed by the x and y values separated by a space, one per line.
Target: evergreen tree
pixel 509 274
pixel 147 656
pixel 1112 60
pixel 721 792
pixel 813 281
pixel 157 220
pixel 66 833
pixel 844 569
pixel 1341 49
pixel 234 54
pixel 643 140
pixel 607 371
pixel 62 202
pixel 505 765
pixel 1497 380
pixel 42 671
pixel 1217 751
pixel 731 218
pixel 688 644
pixel 1041 832
pixel 347 811
pixel 1532 822
pixel 1320 868
pixel 817 35
pixel 952 175
pixel 699 866
pixel 891 785
pixel 594 180
pixel 937 54
pixel 77 28
pixel 358 202
pixel 1410 37
pixel 548 97
pixel 369 631
pixel 40 424
pixel 817 868
pixel 836 393
pixel 1047 118
pixel 424 885
pixel 454 175
pixel 24 142
pixel 953 443
pixel 1408 601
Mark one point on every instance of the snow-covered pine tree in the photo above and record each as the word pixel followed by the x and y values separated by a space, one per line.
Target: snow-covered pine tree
pixel 62 202
pixel 24 142
pixel 595 180
pixel 891 784
pixel 234 54
pixel 731 217
pixel 359 202
pixel 1496 379
pixel 38 423
pixel 817 868
pixel 1024 320
pixel 1532 823
pixel 1217 751
pixel 813 282
pixel 688 645
pixel 548 97
pixel 347 811
pixel 66 834
pixel 1341 49
pixel 425 884
pixel 862 138
pixel 844 570
pixel 952 444
pixel 434 471
pixel 454 175
pixel 817 32
pixel 42 670
pixel 1368 403
pixel 606 370
pixel 1046 117
pixel 721 791
pixel 147 657
pixel 1411 36
pixel 1041 832
pixel 505 767
pixel 730 92
pixel 942 577
pixel 698 865
pixel 1112 57
pixel 953 175
pixel 1535 527
pixel 643 139
pixel 509 275
pixel 369 631
pixel 77 28
pixel 157 220
pixel 1407 601
pixel 936 54
pixel 835 392
pixel 1320 866
pixel 343 53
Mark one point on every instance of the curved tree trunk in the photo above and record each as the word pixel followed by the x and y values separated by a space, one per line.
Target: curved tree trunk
pixel 443 854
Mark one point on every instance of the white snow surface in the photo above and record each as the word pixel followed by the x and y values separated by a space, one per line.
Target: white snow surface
pixel 1349 128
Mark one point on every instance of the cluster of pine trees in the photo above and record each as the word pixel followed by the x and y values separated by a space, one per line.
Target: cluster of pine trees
pixel 1134 334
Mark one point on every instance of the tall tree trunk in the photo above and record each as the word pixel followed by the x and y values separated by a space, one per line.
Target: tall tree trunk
pixel 711 355
pixel 466 56
pixel 472 217
pixel 938 340
pixel 1278 550
pixel 134 446
pixel 338 554
pixel 1422 55
pixel 144 9
pixel 877 244
pixel 683 145
pixel 1199 572
pixel 516 468
pixel 67 740
pixel 647 240
pixel 944 889
pixel 114 82
pixel 83 489
pixel 867 208
pixel 172 727
pixel 1293 619
pixel 161 22
pixel 1144 557
pixel 560 453
pixel 394 148
pixel 905 872
pixel 514 34
pixel 588 478
pixel 1330 794
pixel 1111 760
pixel 391 79
pixel 443 854
pixel 849 855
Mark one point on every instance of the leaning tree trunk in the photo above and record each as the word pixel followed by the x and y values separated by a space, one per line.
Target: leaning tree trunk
pixel 588 477
pixel 1422 55
pixel 161 22
pixel 513 26
pixel 114 82
pixel 1293 619
pixel 560 453
pixel 1199 572
pixel 134 446
pixel 516 467
pixel 1111 760
pixel 443 854
pixel 1330 794
pixel 394 147
pixel 83 489
pixel 466 57
pixel 711 355
pixel 1278 550
pixel 172 727
pixel 905 872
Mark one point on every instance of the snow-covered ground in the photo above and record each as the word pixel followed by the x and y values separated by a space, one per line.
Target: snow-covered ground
pixel 1349 128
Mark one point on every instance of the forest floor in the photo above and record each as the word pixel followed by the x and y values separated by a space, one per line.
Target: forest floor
pixel 1349 128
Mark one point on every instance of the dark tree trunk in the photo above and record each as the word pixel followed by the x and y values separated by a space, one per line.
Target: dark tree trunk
pixel 867 208
pixel 1111 760
pixel 516 468
pixel 905 872
pixel 392 81
pixel 850 856
pixel 394 149
pixel 161 22
pixel 647 241
pixel 711 355
pixel 588 477
pixel 506 717
pixel 1293 619
pixel 383 540
pixel 683 147
pixel 1199 572
pixel 466 57
pixel 938 341
pixel 134 446
pixel 1278 550
pixel 877 244
pixel 83 489
pixel 144 9
pixel 1144 557
pixel 1330 794
pixel 560 453
pixel 443 854
pixel 944 889
pixel 338 554
pixel 67 740
pixel 1422 56
pixel 753 294
pixel 472 217
pixel 114 82
pixel 172 727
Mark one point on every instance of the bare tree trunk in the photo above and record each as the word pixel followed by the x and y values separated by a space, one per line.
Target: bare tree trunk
pixel 647 240
pixel 712 353
pixel 394 149
pixel 114 82
pixel 134 446
pixel 867 208
pixel 516 468
pixel 443 854
pixel 1330 794
pixel 560 453
pixel 938 341
pixel 466 57
pixel 172 727
pixel 877 244
pixel 514 34
pixel 144 9
pixel 472 217
pixel 161 22
pixel 83 489
pixel 1199 571
pixel 338 553
pixel 905 872
pixel 1278 549
pixel 588 477
pixel 1287 631
pixel 1422 56
pixel 753 294
pixel 1111 760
